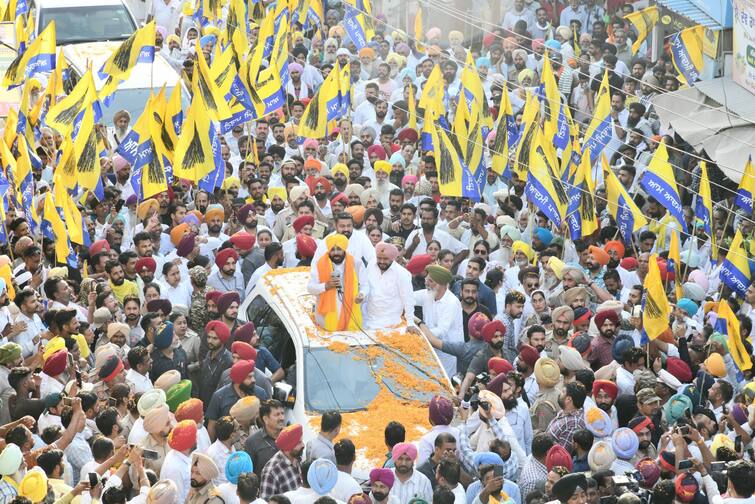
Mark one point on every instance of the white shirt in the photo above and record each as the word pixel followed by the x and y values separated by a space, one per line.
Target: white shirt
pixel 139 382
pixel 180 294
pixel 426 444
pixel 446 241
pixel 219 453
pixel 166 14
pixel 390 295
pixel 625 381
pixel 416 486
pixel 203 440
pixel 256 277
pixel 346 486
pixel 460 497
pixel 47 419
pixel 49 385
pixel 444 319
pixel 228 492
pixel 359 246
pixel 137 432
pixel 177 467
pixel 34 327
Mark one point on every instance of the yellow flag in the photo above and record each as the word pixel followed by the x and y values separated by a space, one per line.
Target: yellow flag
pixel 62 116
pixel 58 229
pixel 412 106
pixel 432 93
pixel 66 167
pixel 207 92
pixel 71 212
pixel 39 57
pixel 85 152
pixel 125 57
pixel 419 31
pixel 734 340
pixel 313 123
pixel 656 309
pixel 643 21
pixel 530 123
pixel 499 151
pixel 194 156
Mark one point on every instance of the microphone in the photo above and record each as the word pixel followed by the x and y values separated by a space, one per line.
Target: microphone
pixel 338 275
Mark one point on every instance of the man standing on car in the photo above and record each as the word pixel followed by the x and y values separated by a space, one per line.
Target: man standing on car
pixel 340 286
pixel 390 288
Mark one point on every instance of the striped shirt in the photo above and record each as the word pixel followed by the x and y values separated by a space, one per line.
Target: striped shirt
pixel 416 486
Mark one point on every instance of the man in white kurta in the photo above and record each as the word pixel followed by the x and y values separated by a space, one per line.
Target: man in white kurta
pixel 390 288
pixel 441 312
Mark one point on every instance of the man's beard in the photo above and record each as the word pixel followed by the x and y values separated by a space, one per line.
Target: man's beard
pixel 118 282
pixel 337 259
pixel 196 484
pixel 212 348
pixel 470 300
pixel 380 115
pixel 644 445
pixel 347 234
pixel 613 263
pixel 608 333
pixel 320 196
pixel 403 469
pixel 433 292
pixel 214 228
pixel 561 402
pixel 510 404
pixel 428 227
pixel 297 453
pixel 229 273
pixel 540 348
pixel 605 406
pixel 247 389
pixel 561 333
pixel 384 267
pixel 121 131
pixel 132 316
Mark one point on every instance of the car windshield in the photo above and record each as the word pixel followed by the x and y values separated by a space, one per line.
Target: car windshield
pixel 88 24
pixel 354 386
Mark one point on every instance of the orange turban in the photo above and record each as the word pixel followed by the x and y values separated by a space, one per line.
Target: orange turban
pixel 190 410
pixel 600 255
pixel 183 436
pixel 615 245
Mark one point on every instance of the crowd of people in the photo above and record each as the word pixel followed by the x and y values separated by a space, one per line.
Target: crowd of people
pixel 131 378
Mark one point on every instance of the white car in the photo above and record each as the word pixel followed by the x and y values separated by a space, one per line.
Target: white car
pixel 371 377
pixel 132 93
pixel 86 20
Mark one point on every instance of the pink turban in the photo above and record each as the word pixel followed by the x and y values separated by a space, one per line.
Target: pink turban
pixel 119 163
pixel 162 31
pixel 384 476
pixel 377 150
pixel 310 143
pixel 407 449
pixel 490 136
pixel 410 179
pixel 388 249
pixel 295 67
pixel 536 43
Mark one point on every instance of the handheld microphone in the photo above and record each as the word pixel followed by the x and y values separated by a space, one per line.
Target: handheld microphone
pixel 338 275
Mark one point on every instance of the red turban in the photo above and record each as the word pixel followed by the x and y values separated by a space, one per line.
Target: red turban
pixel 300 222
pixel 529 355
pixel 244 332
pixel 183 436
pixel 226 300
pixel 243 240
pixel 499 365
pixel 418 263
pixel 476 322
pixel 440 410
pixel 377 150
pixel 557 456
pixel 219 328
pixel 146 262
pixel 679 369
pixel 99 246
pixel 222 257
pixel 408 135
pixel 244 350
pixel 241 370
pixel 312 183
pixel 56 363
pixel 604 315
pixel 289 438
pixel 384 476
pixel 340 197
pixel 213 296
pixel 629 263
pixel 606 386
pixel 305 246
pixel 191 409
pixel 489 330
pixel 244 212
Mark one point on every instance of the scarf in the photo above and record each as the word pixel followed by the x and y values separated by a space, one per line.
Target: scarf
pixel 350 317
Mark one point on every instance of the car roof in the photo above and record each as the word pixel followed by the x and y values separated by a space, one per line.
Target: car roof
pixel 79 3
pixel 142 76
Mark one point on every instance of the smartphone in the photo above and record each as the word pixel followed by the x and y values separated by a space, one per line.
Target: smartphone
pixel 67 401
pixel 150 454
pixel 93 480
pixel 685 465
pixel 684 430
pixel 717 466
pixel 738 444
pixel 70 360
pixel 498 471
pixel 112 402
pixel 78 378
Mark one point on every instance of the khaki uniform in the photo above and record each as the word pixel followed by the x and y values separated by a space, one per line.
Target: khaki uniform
pixel 208 494
pixel 544 409
pixel 318 231
pixel 149 443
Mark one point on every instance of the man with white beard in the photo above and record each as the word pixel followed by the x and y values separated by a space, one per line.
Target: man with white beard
pixel 121 128
pixel 383 186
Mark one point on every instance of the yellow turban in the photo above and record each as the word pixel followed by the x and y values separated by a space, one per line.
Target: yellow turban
pixel 715 365
pixel 719 441
pixel 383 166
pixel 34 485
pixel 213 210
pixel 145 206
pixel 526 73
pixel 272 192
pixel 231 182
pixel 54 345
pixel 336 240
pixel 367 52
pixel 520 246
pixel 557 265
pixel 340 168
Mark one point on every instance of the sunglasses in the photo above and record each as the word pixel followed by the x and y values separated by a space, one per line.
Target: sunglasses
pixel 481 252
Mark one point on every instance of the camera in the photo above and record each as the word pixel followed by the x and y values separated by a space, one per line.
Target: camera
pixel 474 389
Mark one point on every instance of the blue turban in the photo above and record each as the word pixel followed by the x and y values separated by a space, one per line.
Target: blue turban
pixel 237 464
pixel 688 306
pixel 487 458
pixel 621 345
pixel 553 44
pixel 164 336
pixel 483 62
pixel 207 39
pixel 545 236
pixel 322 476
